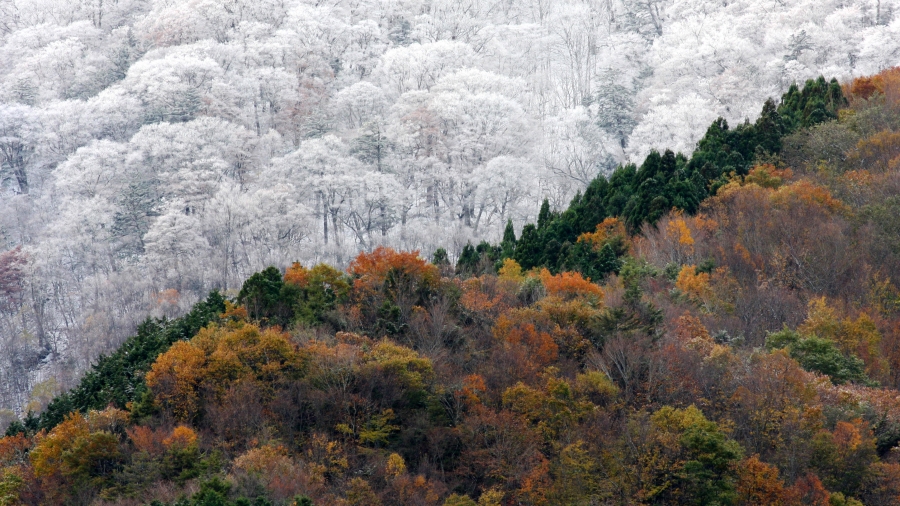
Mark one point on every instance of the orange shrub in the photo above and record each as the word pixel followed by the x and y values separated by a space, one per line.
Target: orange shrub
pixel 372 269
pixel 676 239
pixel 544 350
pixel 885 83
pixel 182 437
pixel 473 388
pixel 689 328
pixel 282 476
pixel 607 229
pixel 147 439
pixel 865 87
pixel 692 283
pixel 808 194
pixel 478 298
pixel 14 449
pixel 297 275
pixel 569 284
pixel 879 153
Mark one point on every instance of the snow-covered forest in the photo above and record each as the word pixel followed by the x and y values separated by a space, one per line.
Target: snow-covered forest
pixel 153 150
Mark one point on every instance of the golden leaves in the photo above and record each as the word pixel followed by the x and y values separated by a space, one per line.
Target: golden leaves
pixel 692 283
pixel 606 230
pixel 569 284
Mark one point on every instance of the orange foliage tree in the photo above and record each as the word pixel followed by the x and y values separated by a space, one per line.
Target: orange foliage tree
pixel 886 84
pixel 609 229
pixel 758 483
pixel 569 284
pixel 858 337
pixel 175 379
pixel 539 343
pixel 81 451
pixel 878 153
pixel 400 278
pixel 297 275
pixel 275 470
pixel 806 193
pixel 217 358
pixel 692 283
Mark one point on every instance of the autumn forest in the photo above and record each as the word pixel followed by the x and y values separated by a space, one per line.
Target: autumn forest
pixel 719 329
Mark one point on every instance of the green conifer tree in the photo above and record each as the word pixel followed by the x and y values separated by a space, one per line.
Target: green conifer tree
pixel 508 245
pixel 544 215
pixel 528 249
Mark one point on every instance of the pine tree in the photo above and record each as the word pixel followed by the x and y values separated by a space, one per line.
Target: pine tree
pixel 508 245
pixel 769 128
pixel 261 294
pixel 607 261
pixel 544 216
pixel 371 147
pixel 440 257
pixel 467 261
pixel 528 249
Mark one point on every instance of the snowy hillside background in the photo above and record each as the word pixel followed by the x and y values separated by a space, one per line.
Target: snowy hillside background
pixel 154 150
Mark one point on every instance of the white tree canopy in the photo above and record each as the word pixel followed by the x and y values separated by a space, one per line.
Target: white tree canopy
pixel 156 145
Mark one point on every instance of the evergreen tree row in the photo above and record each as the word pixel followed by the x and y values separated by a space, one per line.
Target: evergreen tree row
pixel 641 195
pixel 118 379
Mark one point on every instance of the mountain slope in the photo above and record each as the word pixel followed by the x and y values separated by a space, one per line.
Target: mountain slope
pixel 153 151
pixel 743 354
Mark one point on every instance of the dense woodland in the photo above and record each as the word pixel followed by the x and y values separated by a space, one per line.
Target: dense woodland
pixel 154 150
pixel 739 347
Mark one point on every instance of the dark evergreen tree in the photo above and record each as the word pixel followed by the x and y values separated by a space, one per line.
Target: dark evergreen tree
pixel 261 295
pixel 544 215
pixel 371 147
pixel 440 257
pixel 137 208
pixel 770 128
pixel 508 245
pixel 528 249
pixel 551 254
pixel 607 262
pixel 468 260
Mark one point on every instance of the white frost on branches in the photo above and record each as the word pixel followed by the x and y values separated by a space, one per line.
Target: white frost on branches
pixel 152 150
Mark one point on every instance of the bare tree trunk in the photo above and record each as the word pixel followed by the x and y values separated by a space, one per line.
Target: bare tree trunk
pixel 16 160
pixel 324 215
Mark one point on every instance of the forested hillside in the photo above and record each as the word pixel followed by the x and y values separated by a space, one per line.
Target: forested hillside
pixel 154 150
pixel 742 348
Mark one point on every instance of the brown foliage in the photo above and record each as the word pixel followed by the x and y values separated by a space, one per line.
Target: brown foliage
pixel 758 483
pixel 808 491
pixel 14 450
pixel 886 83
pixel 878 153
pixel 500 448
pixel 400 277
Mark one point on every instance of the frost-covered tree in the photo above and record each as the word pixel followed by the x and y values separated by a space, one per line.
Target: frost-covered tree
pixel 19 137
pixel 151 150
